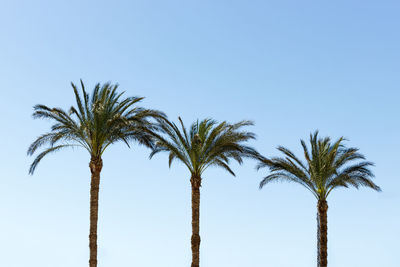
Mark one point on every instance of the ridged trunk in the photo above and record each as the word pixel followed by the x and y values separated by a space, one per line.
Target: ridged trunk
pixel 195 241
pixel 96 164
pixel 322 233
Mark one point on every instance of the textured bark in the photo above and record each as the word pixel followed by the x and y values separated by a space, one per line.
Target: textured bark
pixel 96 164
pixel 195 241
pixel 322 233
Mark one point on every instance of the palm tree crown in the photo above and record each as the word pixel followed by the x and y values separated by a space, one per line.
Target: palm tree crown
pixel 206 144
pixel 328 166
pixel 95 123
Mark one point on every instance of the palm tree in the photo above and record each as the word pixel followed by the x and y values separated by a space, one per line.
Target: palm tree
pixel 207 144
pixel 94 124
pixel 328 167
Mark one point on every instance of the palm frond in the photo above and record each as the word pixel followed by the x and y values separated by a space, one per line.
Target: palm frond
pixel 43 154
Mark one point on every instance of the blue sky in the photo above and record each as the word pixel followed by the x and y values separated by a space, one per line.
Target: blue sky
pixel 291 66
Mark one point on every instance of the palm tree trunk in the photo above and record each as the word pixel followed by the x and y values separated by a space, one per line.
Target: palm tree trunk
pixel 96 164
pixel 196 184
pixel 322 233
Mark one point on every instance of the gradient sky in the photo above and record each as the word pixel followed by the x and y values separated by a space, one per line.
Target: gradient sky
pixel 291 66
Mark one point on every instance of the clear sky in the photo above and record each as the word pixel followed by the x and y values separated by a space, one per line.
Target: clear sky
pixel 291 66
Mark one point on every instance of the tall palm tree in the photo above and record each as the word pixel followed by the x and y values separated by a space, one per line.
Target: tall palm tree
pixel 329 166
pixel 94 123
pixel 207 144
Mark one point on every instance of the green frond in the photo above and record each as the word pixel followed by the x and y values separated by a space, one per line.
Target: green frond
pixel 281 176
pixel 40 141
pixel 184 131
pixel 81 113
pixel 291 156
pixel 223 165
pixel 171 158
pixel 43 154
